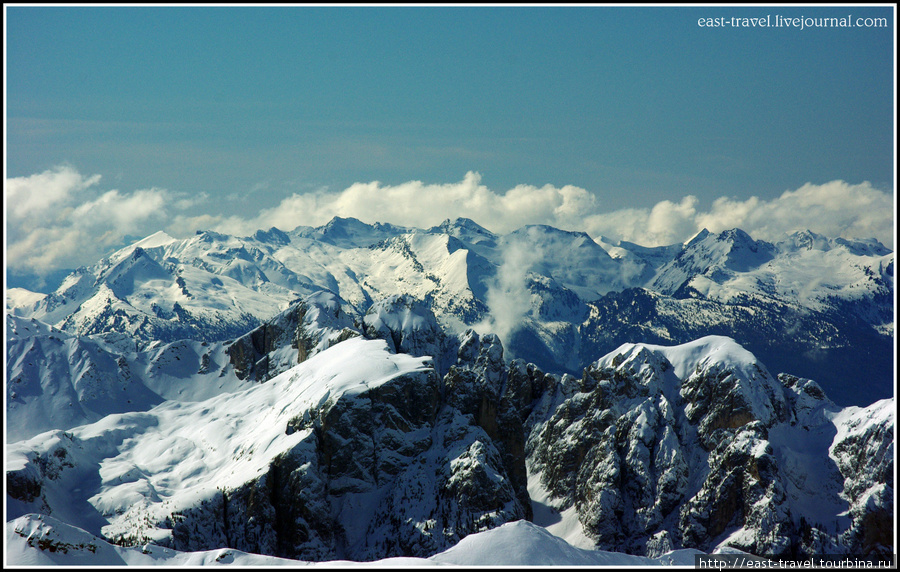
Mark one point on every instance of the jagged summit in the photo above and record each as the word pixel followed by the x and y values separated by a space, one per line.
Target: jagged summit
pixel 273 235
pixel 461 223
pixel 806 239
pixel 701 235
pixel 349 232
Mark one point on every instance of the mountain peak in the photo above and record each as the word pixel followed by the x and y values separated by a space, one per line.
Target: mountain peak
pixel 863 247
pixel 461 224
pixel 735 235
pixel 349 232
pixel 809 240
pixel 806 240
pixel 697 237
pixel 159 238
pixel 273 235
pixel 210 236
pixel 342 222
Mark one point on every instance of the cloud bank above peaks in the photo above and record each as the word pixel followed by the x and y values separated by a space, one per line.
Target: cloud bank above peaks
pixel 417 204
pixel 835 208
pixel 61 218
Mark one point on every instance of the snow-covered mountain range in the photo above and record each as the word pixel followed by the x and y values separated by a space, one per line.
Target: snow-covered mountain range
pixel 815 306
pixel 362 392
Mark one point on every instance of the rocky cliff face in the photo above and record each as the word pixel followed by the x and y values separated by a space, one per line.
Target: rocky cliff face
pixel 864 453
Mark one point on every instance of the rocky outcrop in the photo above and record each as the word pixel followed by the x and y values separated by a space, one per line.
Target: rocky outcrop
pixel 408 467
pixel 307 327
pixel 409 326
pixel 481 387
pixel 864 454
pixel 612 448
pixel 655 456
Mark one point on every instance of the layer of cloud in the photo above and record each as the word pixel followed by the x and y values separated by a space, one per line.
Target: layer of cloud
pixel 833 209
pixel 417 204
pixel 61 218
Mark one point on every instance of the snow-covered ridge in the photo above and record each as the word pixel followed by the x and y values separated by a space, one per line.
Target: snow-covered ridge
pixel 690 357
pixel 178 452
pixel 537 287
pixel 21 298
pixel 56 380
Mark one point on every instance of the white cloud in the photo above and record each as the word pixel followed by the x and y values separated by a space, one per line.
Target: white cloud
pixel 121 212
pixel 60 218
pixel 418 204
pixel 508 289
pixel 34 203
pixel 833 209
pixel 34 195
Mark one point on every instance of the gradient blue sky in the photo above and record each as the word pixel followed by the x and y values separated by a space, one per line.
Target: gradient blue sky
pixel 246 105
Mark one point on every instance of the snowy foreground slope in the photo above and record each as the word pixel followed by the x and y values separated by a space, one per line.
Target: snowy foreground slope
pixel 361 453
pixel 816 306
pixel 519 543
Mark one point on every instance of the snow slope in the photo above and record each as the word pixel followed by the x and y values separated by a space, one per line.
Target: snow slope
pixel 21 300
pixel 179 452
pixel 56 380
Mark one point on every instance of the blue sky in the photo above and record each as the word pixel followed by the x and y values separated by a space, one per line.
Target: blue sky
pixel 229 111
